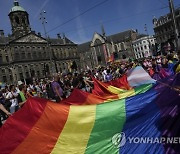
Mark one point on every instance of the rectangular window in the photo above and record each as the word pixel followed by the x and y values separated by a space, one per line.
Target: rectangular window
pixel 16 56
pixel 7 59
pixel 29 55
pixel 34 55
pixel 0 59
pixel 3 71
pixel 21 76
pixel 44 55
pixel 39 54
pixel 43 72
pixel 38 73
pixel 27 74
pixel 4 79
pixel 11 78
pixel 23 55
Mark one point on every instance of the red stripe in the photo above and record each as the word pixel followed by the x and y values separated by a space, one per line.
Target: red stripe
pixel 120 83
pixel 17 127
pixel 46 131
pixel 100 88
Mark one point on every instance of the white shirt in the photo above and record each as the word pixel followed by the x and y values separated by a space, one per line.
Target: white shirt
pixel 11 96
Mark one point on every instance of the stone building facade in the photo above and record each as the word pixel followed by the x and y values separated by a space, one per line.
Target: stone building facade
pixel 100 50
pixel 144 46
pixel 25 54
pixel 164 29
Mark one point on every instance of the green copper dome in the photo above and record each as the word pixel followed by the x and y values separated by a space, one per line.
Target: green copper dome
pixel 16 7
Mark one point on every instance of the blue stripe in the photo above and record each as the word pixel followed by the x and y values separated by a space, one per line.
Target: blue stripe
pixel 142 120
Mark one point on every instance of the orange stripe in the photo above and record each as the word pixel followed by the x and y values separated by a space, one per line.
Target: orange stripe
pixel 46 131
pixel 95 99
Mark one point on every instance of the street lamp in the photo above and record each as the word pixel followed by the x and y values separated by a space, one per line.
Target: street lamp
pixel 43 20
pixel 146 30
pixel 176 31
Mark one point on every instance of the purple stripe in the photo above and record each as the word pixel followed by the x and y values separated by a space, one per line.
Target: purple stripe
pixel 169 104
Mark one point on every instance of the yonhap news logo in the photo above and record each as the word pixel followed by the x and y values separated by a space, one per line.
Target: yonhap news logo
pixel 120 139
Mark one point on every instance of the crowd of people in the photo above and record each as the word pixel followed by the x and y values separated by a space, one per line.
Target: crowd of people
pixel 13 97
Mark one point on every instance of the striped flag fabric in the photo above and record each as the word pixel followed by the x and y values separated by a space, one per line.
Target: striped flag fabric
pixel 132 124
pixel 138 76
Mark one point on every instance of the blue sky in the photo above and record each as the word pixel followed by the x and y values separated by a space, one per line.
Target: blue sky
pixel 116 16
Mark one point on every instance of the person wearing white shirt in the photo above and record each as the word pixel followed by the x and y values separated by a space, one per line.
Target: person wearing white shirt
pixel 12 96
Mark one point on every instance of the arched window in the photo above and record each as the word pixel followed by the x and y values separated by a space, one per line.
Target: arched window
pixel 0 58
pixel 17 55
pixel 44 54
pixel 23 20
pixel 97 42
pixel 17 19
pixel 116 48
pixel 122 46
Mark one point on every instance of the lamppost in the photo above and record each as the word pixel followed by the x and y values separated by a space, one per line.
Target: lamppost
pixel 149 43
pixel 173 17
pixel 43 21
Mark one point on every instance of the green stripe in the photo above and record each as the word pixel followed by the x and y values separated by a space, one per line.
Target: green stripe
pixel 110 119
pixel 143 88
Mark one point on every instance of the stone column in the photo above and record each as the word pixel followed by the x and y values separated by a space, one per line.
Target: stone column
pixel 3 56
pixel 35 70
pixel 23 71
pixel 1 75
pixel 95 57
pixel 29 70
pixel 7 74
pixel 17 73
pixel 40 71
pixel 13 74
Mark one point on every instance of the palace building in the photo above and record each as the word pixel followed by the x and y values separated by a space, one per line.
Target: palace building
pixel 25 54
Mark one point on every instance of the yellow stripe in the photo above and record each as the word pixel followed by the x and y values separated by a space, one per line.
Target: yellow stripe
pixel 123 95
pixel 128 93
pixel 75 135
pixel 115 90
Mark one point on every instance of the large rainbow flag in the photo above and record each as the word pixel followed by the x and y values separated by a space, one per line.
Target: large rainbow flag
pixel 140 121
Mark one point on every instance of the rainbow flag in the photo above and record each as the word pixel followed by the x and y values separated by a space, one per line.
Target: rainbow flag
pixel 79 97
pixel 112 87
pixel 109 90
pixel 135 77
pixel 107 127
